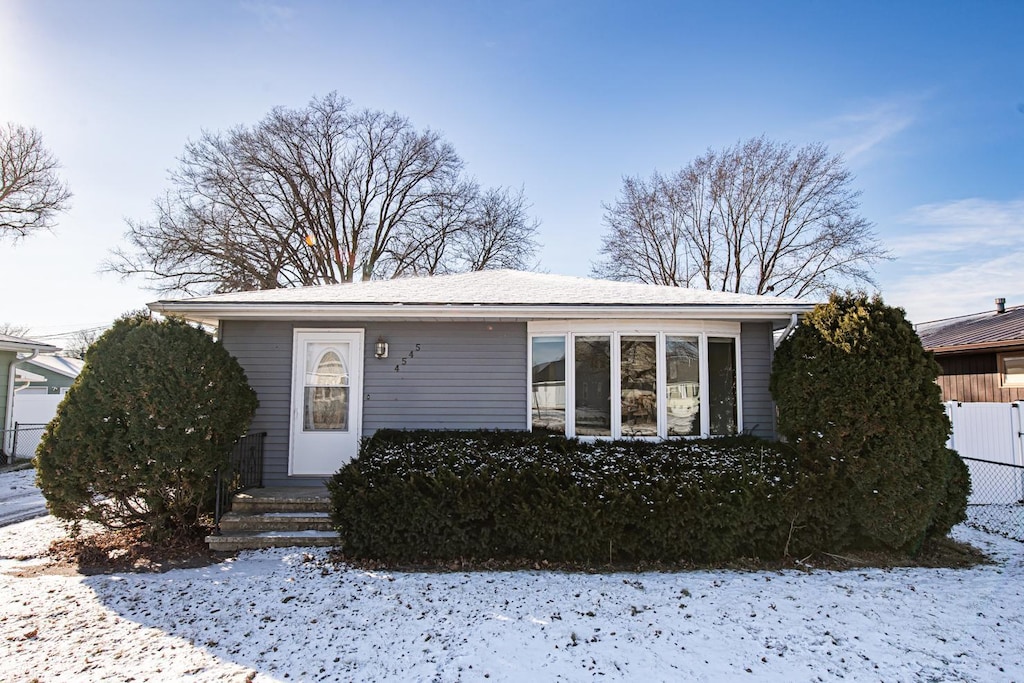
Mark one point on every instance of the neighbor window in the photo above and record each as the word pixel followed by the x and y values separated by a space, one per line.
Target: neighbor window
pixel 635 384
pixel 1012 368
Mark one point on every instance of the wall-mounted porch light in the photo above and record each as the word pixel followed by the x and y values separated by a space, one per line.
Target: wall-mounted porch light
pixel 380 349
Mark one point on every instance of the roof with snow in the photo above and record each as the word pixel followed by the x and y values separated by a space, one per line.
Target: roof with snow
pixel 977 331
pixel 497 293
pixel 21 344
pixel 69 367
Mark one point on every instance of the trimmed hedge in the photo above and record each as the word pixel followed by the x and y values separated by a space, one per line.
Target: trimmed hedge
pixel 438 496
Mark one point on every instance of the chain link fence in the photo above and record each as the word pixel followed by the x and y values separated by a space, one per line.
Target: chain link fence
pixel 997 498
pixel 19 444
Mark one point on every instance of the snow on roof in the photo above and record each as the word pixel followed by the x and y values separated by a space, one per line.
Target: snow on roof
pixel 12 343
pixel 69 367
pixel 491 287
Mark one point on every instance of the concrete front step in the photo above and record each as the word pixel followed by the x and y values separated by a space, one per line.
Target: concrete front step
pixel 275 521
pixel 248 540
pixel 275 517
pixel 282 499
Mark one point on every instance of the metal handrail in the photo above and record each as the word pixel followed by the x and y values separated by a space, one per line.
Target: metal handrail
pixel 245 471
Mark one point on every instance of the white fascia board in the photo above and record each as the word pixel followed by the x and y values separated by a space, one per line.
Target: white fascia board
pixel 228 311
pixel 28 347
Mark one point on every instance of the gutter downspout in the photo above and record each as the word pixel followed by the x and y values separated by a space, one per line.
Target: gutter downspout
pixel 9 410
pixel 789 329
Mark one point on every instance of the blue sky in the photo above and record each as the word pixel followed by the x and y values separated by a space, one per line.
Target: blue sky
pixel 924 99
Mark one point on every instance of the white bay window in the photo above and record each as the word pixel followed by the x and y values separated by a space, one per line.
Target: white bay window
pixel 622 380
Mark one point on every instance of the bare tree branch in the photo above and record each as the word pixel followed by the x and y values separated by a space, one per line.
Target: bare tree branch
pixel 31 193
pixel 760 217
pixel 318 195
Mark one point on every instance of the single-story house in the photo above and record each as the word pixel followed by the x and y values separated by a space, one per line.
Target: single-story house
pixel 981 354
pixel 47 374
pixel 494 350
pixel 13 352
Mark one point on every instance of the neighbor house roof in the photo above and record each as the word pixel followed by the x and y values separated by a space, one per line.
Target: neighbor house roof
pixel 975 332
pixel 22 345
pixel 69 367
pixel 497 294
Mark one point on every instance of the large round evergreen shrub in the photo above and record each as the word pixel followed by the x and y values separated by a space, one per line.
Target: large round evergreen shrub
pixel 857 398
pixel 139 436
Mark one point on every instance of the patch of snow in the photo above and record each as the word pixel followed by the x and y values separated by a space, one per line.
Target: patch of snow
pixel 20 499
pixel 281 614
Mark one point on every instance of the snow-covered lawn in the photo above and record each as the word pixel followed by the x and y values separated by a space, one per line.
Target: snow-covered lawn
pixel 19 497
pixel 290 615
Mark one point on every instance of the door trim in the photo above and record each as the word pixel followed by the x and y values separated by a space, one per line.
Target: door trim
pixel 294 391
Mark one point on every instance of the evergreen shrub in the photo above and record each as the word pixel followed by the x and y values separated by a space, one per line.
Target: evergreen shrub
pixel 437 496
pixel 857 400
pixel 138 437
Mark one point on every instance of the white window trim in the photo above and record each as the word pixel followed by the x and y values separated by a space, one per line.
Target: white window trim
pixel 615 330
pixel 1004 380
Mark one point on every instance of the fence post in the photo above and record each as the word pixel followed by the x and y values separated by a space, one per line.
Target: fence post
pixel 14 448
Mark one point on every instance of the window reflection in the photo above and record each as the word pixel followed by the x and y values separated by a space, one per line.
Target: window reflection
pixel 547 400
pixel 682 385
pixel 638 364
pixel 593 386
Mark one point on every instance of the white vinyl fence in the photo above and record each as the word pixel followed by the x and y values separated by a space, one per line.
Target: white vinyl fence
pixel 989 438
pixel 31 412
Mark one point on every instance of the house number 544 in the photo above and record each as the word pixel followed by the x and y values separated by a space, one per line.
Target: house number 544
pixel 406 358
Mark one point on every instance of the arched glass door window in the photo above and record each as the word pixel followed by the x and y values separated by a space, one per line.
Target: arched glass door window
pixel 326 391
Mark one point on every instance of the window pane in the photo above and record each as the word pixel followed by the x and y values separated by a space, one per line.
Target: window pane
pixel 1013 370
pixel 722 385
pixel 682 385
pixel 325 409
pixel 639 380
pixel 548 384
pixel 593 386
pixel 325 395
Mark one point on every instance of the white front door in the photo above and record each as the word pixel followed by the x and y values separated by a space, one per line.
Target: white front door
pixel 326 417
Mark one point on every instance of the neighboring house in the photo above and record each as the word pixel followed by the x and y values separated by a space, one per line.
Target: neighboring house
pixel 47 375
pixel 493 350
pixel 13 352
pixel 982 354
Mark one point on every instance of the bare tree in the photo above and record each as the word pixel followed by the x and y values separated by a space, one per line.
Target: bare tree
pixel 31 193
pixel 309 196
pixel 468 229
pixel 79 341
pixel 12 330
pixel 760 217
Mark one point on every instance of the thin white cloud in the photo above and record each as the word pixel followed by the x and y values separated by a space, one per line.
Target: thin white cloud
pixel 955 257
pixel 859 134
pixel 968 288
pixel 270 14
pixel 965 224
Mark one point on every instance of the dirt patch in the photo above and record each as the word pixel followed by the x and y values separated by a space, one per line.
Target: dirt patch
pixel 127 550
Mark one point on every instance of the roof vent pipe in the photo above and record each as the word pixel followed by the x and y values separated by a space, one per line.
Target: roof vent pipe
pixel 1000 305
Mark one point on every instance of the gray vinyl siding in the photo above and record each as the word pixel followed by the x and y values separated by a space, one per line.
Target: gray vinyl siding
pixel 264 350
pixel 466 375
pixel 756 351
